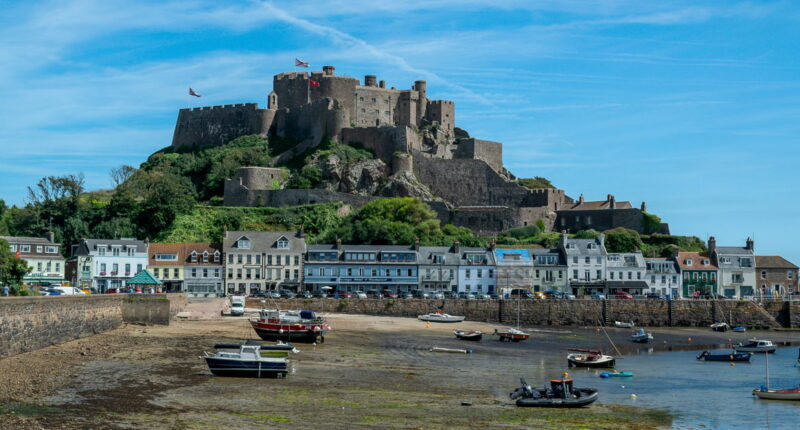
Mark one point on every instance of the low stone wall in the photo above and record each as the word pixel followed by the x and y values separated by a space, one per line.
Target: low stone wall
pixel 29 323
pixel 653 313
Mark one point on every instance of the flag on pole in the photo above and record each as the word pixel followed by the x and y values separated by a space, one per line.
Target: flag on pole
pixel 298 63
pixel 313 83
pixel 193 93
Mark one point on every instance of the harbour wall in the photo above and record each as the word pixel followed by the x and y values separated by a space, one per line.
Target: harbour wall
pixel 653 313
pixel 30 323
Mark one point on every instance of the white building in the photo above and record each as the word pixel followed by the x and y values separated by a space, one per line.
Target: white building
pixel 737 268
pixel 476 270
pixel 625 271
pixel 106 264
pixel 663 277
pixel 586 263
pixel 43 256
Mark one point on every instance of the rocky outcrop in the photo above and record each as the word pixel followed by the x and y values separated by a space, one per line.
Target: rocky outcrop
pixel 405 184
pixel 363 177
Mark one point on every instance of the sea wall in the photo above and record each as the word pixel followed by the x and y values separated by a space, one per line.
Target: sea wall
pixel 654 313
pixel 29 323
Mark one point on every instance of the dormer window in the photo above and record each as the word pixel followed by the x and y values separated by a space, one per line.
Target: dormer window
pixel 243 243
pixel 283 243
pixel 216 256
pixel 706 262
pixel 194 256
pixel 688 262
pixel 101 250
pixel 726 260
pixel 205 256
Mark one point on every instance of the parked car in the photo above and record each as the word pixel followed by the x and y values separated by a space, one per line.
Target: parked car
pixel 407 296
pixel 520 293
pixel 373 294
pixel 390 294
pixel 112 291
pixel 421 294
pixel 274 295
pixel 286 294
pixel 655 296
pixel 306 295
pixel 481 296
pixel 63 291
pixel 47 291
pixel 361 295
pixel 438 295
pixel 494 296
pixel 623 295
pixel 320 295
pixel 598 296
pixel 345 295
pixel 553 294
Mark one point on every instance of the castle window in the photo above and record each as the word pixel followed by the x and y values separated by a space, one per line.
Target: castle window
pixel 373 100
pixel 363 110
pixel 361 99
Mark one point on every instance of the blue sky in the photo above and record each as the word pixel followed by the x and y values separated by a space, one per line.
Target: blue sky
pixel 692 106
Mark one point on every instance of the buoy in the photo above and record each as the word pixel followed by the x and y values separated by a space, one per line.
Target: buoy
pixel 733 364
pixel 427 324
pixel 633 396
pixel 690 339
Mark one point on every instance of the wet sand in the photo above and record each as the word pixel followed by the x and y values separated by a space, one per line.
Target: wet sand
pixel 372 372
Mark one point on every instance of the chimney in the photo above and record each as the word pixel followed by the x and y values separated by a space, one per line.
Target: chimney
pixel 338 244
pixel 302 233
pixel 580 199
pixel 416 244
pixel 492 245
pixel 644 207
pixel 370 81
pixel 382 84
pixel 457 247
pixel 612 202
pixel 328 70
pixel 749 244
pixel 602 239
pixel 712 245
pixel 50 236
pixel 563 239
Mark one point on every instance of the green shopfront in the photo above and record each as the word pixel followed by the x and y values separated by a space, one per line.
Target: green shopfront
pixel 699 282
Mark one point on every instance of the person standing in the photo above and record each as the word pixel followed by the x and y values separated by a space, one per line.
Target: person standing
pixel 6 290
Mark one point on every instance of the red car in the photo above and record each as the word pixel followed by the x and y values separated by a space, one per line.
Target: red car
pixel 390 294
pixel 622 295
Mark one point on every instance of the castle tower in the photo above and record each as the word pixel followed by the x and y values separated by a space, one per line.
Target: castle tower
pixel 370 81
pixel 272 101
pixel 328 70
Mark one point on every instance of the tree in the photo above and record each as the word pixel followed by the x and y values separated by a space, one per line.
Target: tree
pixel 12 268
pixel 621 239
pixel 535 182
pixel 121 174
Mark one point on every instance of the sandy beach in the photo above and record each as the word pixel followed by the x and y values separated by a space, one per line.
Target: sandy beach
pixel 372 372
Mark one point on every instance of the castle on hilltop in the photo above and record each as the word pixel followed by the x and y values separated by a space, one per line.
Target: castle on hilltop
pixel 419 152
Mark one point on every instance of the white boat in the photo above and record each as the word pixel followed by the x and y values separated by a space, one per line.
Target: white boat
pixel 589 358
pixel 511 335
pixel 756 345
pixel 620 324
pixel 642 336
pixel 720 326
pixel 782 394
pixel 441 317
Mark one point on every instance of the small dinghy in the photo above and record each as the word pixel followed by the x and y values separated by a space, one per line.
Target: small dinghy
pixel 441 317
pixel 511 335
pixel 733 356
pixel 615 374
pixel 740 329
pixel 642 336
pixel 720 326
pixel 561 394
pixel 473 335
pixel 620 324
pixel 451 350
pixel 589 358
pixel 755 345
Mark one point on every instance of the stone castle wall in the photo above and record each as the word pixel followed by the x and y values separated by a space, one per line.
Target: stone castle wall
pixel 384 142
pixel 651 313
pixel 602 219
pixel 218 125
pixel 486 150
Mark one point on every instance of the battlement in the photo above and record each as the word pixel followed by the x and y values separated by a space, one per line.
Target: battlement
pixel 220 107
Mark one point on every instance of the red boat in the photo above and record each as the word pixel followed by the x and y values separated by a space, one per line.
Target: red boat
pixel 298 326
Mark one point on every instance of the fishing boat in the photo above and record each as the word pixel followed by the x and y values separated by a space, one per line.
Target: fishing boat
pixel 473 335
pixel 561 394
pixel 589 358
pixel 616 374
pixel 782 394
pixel 511 335
pixel 441 317
pixel 756 345
pixel 620 324
pixel 248 360
pixel 720 326
pixel 642 336
pixel 733 356
pixel 299 326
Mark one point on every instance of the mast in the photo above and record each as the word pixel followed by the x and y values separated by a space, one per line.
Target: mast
pixel 766 367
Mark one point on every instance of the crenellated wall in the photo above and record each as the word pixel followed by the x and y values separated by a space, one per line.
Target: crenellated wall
pixel 218 125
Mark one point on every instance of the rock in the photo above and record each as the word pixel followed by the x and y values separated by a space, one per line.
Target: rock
pixel 405 184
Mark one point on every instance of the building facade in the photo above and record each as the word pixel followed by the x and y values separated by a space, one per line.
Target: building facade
pixel 106 264
pixel 663 277
pixel 698 273
pixel 203 270
pixel 43 256
pixel 476 270
pixel 258 261
pixel 737 268
pixel 775 275
pixel 625 272
pixel 361 268
pixel 549 270
pixel 438 269
pixel 586 263
pixel 165 262
pixel 514 269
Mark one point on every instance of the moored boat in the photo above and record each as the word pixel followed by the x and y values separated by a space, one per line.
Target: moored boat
pixel 248 361
pixel 299 326
pixel 740 329
pixel 720 326
pixel 616 374
pixel 755 345
pixel 785 394
pixel 561 394
pixel 511 335
pixel 642 336
pixel 620 324
pixel 589 358
pixel 473 335
pixel 733 356
pixel 441 317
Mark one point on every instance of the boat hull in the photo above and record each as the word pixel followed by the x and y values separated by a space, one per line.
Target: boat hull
pixel 777 394
pixel 290 332
pixel 511 337
pixel 246 368
pixel 616 374
pixel 585 398
pixel 599 364
pixel 767 350
pixel 450 319
pixel 644 339
pixel 474 337
pixel 735 357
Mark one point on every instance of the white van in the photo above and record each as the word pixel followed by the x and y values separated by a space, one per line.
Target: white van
pixel 237 305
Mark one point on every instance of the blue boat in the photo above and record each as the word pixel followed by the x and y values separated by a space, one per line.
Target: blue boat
pixel 733 356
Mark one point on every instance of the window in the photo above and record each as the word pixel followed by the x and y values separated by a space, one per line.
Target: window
pixel 283 243
pixel 790 275
pixel 205 256
pixel 127 269
pixel 138 268
pixel 39 267
pixel 706 262
pixel 410 272
pixel 763 274
pixel 249 258
pixel 131 251
pixel 599 260
pixel 176 273
pixel 230 273
pixel 100 250
pixel 216 256
pixel 611 275
pixel 239 258
pixel 296 274
pixel 480 273
pixel 598 274
pixel 588 260
pixel 205 273
pixel 13 248
pixel 51 249
pixel 58 267
pixel 166 257
pixel 248 273
pixel 575 260
pixel 491 273
pixel 230 258
pixel 102 268
pixel 155 272
pixel 194 272
pixel 296 260
pixel 350 271
pixel 575 274
pixel 630 275
pixel 374 272
pixel 243 243
pixel 277 260
pixel 688 262
pixel 115 268
pixel 238 273
pixel 286 274
pixel 726 260
pixel 638 275
pixel 258 258
pixel 467 273
pixel 114 251
pixel 269 260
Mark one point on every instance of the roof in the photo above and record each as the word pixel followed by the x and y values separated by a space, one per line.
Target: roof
pixel 184 253
pixel 697 261
pixel 773 262
pixel 426 254
pixel 665 263
pixel 550 253
pixel 465 262
pixel 265 240
pixel 143 278
pixel 86 246
pixel 25 240
pixel 581 247
pixel 629 285
pixel 601 204
pixel 625 259
pixel 511 256
pixel 733 250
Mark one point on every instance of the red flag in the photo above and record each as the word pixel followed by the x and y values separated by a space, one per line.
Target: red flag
pixel 298 63
pixel 313 83
pixel 17 254
pixel 193 93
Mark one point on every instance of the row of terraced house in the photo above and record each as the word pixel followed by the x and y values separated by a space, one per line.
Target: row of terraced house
pixel 252 262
